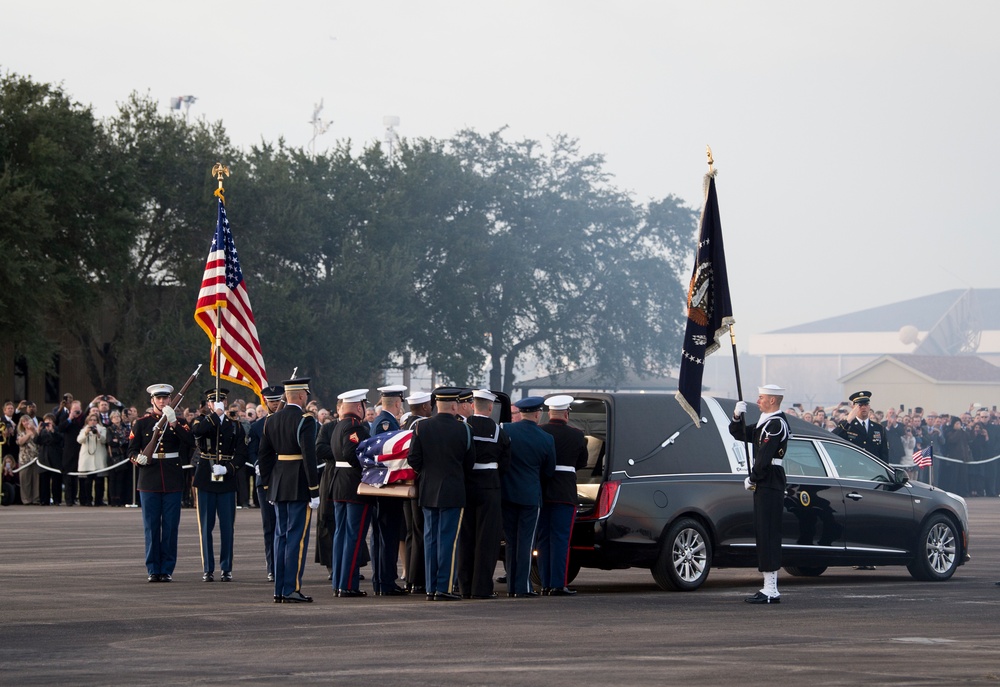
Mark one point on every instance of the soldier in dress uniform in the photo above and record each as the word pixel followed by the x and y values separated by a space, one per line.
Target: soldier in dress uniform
pixel 482 522
pixel 532 458
pixel 352 513
pixel 441 452
pixel 222 446
pixel 555 524
pixel 465 409
pixel 287 460
pixel 160 481
pixel 387 520
pixel 767 481
pixel 325 523
pixel 413 515
pixel 861 429
pixel 272 400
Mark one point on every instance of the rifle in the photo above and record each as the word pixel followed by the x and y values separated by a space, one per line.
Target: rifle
pixel 154 442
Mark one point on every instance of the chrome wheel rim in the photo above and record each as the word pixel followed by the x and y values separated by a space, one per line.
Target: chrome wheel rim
pixel 941 548
pixel 688 555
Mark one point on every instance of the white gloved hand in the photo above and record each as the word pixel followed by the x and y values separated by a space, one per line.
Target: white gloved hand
pixel 256 470
pixel 747 484
pixel 169 413
pixel 314 502
pixel 141 459
pixel 741 409
pixel 219 405
pixel 218 469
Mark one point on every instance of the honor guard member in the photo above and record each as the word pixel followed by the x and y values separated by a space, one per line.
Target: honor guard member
pixel 222 446
pixel 555 524
pixel 160 481
pixel 767 481
pixel 442 453
pixel 324 520
pixel 861 429
pixel 420 409
pixel 287 460
pixel 465 409
pixel 352 513
pixel 532 458
pixel 272 401
pixel 482 522
pixel 387 519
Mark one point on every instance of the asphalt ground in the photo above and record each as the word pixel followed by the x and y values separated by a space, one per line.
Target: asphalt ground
pixel 77 610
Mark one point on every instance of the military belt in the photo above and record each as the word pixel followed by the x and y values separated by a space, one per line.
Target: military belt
pixel 342 464
pixel 164 456
pixel 290 457
pixel 778 461
pixel 565 468
pixel 485 466
pixel 213 457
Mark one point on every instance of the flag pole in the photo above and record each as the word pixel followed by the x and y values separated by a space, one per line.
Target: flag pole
pixel 218 170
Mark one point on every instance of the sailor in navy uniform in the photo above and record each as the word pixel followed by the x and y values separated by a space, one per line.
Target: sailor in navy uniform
pixel 351 513
pixel 482 522
pixel 555 524
pixel 767 481
pixel 222 446
pixel 413 515
pixel 861 429
pixel 532 459
pixel 441 452
pixel 272 398
pixel 287 460
pixel 160 481
pixel 387 519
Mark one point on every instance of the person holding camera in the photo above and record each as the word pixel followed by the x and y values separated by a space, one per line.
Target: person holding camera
pixel 50 458
pixel 93 440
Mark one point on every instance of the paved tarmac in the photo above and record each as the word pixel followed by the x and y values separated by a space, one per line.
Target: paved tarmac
pixel 77 610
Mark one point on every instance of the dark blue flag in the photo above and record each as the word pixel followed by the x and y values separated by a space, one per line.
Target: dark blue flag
pixel 710 311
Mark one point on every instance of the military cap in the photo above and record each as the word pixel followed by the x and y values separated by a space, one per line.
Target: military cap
pixel 353 396
pixel 861 398
pixel 272 393
pixel 297 384
pixel 447 393
pixel 419 397
pixel 159 390
pixel 393 390
pixel 560 402
pixel 484 394
pixel 216 395
pixel 530 404
pixel 770 390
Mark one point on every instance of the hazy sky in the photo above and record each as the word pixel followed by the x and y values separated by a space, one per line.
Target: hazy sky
pixel 856 142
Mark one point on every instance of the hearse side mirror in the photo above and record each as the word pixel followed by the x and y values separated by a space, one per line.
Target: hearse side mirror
pixel 899 476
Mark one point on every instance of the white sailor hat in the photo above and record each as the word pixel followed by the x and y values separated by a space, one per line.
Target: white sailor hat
pixel 484 394
pixel 560 402
pixel 159 390
pixel 419 397
pixel 353 396
pixel 770 390
pixel 393 390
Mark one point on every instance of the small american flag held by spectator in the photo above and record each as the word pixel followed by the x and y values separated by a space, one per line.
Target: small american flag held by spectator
pixel 923 457
pixel 383 458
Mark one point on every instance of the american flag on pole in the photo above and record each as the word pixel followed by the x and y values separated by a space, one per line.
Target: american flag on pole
pixel 224 296
pixel 383 458
pixel 924 457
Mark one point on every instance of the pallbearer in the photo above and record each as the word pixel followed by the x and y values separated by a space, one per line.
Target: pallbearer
pixel 287 460
pixel 352 513
pixel 272 400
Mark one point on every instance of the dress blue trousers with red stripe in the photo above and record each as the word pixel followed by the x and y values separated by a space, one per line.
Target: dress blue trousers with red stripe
pixel 291 543
pixel 555 527
pixel 161 515
pixel 351 522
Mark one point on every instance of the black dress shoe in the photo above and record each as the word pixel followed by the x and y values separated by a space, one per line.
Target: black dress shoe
pixel 526 595
pixel 564 591
pixel 466 596
pixel 208 577
pixel 156 578
pixel 278 598
pixel 297 598
pixel 361 577
pixel 864 567
pixel 762 598
pixel 347 593
pixel 494 595
pixel 502 579
pixel 447 596
pixel 395 591
pixel 430 596
pixel 270 577
pixel 546 591
pixel 227 577
pixel 166 578
pixel 416 589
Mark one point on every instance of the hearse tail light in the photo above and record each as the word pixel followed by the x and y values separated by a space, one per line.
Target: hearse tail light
pixel 606 498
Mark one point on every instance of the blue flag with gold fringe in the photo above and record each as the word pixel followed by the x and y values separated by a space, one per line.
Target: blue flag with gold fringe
pixel 709 309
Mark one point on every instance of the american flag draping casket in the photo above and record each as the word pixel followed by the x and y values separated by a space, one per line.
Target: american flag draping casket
pixel 383 458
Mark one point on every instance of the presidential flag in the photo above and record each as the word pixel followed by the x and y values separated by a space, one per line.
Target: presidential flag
pixel 224 306
pixel 383 458
pixel 709 309
pixel 923 458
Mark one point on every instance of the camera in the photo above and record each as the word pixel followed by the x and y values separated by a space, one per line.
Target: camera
pixel 232 414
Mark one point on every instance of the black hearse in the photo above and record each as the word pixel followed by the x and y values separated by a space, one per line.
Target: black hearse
pixel 662 494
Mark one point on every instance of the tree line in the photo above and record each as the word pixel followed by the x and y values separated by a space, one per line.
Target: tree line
pixel 469 255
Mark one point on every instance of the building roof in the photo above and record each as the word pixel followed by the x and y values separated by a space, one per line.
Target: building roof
pixel 589 379
pixel 955 369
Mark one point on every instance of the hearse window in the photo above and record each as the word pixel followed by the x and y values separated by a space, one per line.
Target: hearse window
pixel 854 464
pixel 802 460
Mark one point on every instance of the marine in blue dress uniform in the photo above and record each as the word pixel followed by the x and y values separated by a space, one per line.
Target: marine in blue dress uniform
pixel 767 480
pixel 272 399
pixel 532 458
pixel 351 513
pixel 441 452
pixel 160 481
pixel 387 520
pixel 413 515
pixel 287 460
pixel 222 446
pixel 555 524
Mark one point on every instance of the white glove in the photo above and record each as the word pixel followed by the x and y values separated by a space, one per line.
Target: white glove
pixel 219 405
pixel 169 413
pixel 314 502
pixel 218 469
pixel 747 484
pixel 141 459
pixel 741 409
pixel 256 470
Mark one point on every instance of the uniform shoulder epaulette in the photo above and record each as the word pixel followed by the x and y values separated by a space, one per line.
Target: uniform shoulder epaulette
pixel 308 413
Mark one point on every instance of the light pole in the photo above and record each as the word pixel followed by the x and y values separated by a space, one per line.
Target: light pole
pixel 390 122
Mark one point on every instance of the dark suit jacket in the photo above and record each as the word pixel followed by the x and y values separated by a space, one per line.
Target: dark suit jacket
pixel 532 457
pixel 441 452
pixel 874 440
